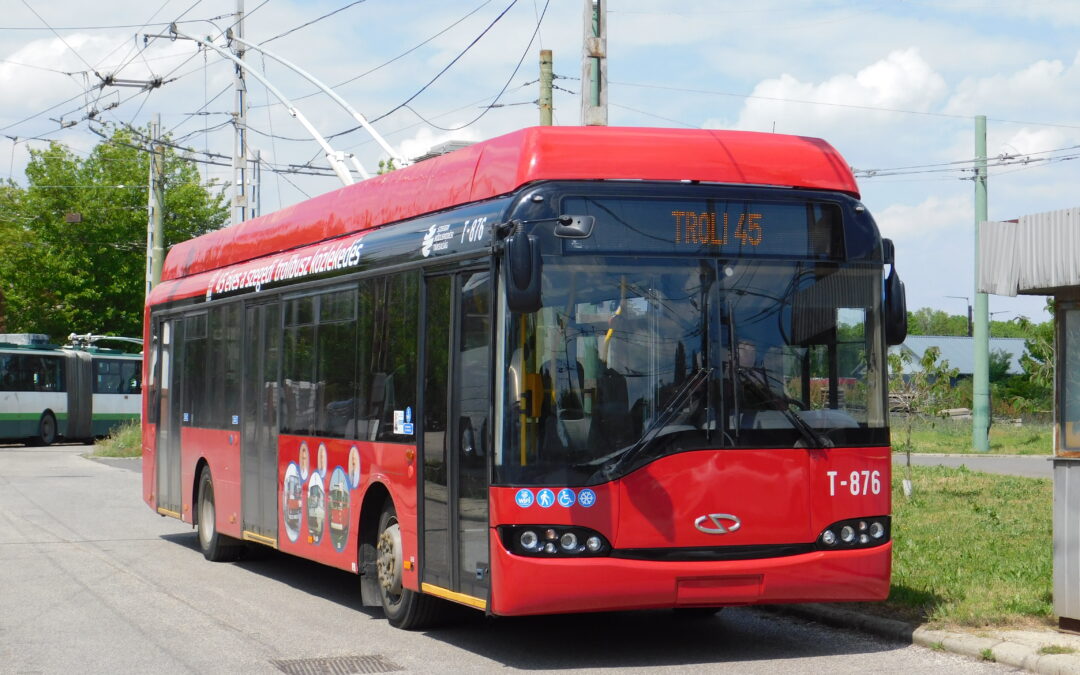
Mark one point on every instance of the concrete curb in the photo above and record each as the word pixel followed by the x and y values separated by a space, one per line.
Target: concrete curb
pixel 1012 653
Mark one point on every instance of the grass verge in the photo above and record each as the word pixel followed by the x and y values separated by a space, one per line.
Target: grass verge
pixel 970 549
pixel 949 436
pixel 124 441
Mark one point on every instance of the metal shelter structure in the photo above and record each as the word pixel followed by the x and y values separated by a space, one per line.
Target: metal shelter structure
pixel 1039 254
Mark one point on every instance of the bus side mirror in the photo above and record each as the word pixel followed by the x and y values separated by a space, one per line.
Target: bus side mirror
pixel 521 271
pixel 895 309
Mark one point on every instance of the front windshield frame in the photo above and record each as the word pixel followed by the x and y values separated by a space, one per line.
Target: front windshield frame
pixel 820 366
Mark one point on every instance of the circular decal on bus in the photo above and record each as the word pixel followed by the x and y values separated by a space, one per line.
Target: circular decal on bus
pixel 545 498
pixel 354 467
pixel 338 501
pixel 291 490
pixel 566 498
pixel 322 459
pixel 586 498
pixel 524 498
pixel 305 461
pixel 316 509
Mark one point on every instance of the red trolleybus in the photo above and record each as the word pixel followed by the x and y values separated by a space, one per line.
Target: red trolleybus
pixel 566 369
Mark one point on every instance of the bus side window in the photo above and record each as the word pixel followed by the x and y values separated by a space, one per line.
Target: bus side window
pixel 7 373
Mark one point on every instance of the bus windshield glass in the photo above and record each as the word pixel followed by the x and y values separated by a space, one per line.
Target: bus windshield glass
pixel 632 358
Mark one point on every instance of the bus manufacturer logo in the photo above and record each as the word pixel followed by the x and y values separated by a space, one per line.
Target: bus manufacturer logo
pixel 718 523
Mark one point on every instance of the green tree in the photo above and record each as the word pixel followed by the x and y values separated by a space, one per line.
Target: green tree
pixel 76 257
pixel 999 365
pixel 926 321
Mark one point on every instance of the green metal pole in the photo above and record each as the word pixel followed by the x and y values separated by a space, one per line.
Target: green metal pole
pixel 981 384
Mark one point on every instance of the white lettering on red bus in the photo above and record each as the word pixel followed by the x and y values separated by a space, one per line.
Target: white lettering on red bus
pixel 328 258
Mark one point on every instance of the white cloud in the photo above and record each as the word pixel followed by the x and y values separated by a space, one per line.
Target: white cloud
pixel 425 139
pixel 1042 89
pixel 933 218
pixel 902 80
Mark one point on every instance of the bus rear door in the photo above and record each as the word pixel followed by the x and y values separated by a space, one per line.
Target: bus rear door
pixel 168 430
pixel 260 422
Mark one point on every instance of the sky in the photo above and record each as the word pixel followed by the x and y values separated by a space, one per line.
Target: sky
pixel 894 85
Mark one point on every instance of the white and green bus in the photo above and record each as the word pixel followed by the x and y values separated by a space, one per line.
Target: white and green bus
pixel 77 392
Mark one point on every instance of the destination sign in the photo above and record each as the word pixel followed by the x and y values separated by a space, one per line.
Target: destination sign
pixel 710 227
pixel 701 228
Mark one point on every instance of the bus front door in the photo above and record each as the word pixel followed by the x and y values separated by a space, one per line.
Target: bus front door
pixel 260 423
pixel 456 436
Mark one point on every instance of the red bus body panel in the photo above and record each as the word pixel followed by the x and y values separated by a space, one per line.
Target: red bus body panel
pixel 386 464
pixel 503 164
pixel 780 497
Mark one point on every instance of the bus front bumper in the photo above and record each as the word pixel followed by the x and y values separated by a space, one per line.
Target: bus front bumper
pixel 526 585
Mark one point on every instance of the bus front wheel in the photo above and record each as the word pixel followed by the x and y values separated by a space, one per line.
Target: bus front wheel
pixel 215 546
pixel 404 608
pixel 46 433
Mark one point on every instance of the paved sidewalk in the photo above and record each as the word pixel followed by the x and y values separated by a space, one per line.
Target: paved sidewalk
pixel 1014 648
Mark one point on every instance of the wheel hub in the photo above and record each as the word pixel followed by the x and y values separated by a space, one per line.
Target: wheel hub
pixel 389 560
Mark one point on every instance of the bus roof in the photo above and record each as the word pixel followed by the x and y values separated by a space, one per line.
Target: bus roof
pixel 501 165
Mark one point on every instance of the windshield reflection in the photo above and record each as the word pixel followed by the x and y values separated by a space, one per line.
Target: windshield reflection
pixel 604 377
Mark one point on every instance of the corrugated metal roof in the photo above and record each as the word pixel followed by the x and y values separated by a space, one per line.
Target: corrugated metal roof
pixel 1037 254
pixel 960 351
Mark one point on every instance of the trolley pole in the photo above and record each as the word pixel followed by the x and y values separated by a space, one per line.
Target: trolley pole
pixel 240 187
pixel 981 383
pixel 545 87
pixel 594 65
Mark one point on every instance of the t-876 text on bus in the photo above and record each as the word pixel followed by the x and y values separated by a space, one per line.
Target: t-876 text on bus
pixel 566 369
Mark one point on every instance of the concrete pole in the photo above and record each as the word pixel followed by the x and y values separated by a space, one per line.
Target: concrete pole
pixel 155 206
pixel 159 209
pixel 151 202
pixel 981 384
pixel 594 65
pixel 240 187
pixel 545 87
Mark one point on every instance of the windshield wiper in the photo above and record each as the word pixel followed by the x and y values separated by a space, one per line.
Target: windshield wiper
pixel 809 434
pixel 626 455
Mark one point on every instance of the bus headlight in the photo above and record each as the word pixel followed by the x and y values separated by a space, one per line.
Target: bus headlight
pixel 529 541
pixel 553 541
pixel 854 533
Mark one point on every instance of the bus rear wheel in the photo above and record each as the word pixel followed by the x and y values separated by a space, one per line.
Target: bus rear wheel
pixel 46 433
pixel 404 608
pixel 215 546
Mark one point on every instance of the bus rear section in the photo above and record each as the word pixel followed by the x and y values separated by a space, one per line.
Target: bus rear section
pixel 34 396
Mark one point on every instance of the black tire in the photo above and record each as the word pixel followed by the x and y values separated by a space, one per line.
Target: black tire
pixel 216 547
pixel 46 433
pixel 404 608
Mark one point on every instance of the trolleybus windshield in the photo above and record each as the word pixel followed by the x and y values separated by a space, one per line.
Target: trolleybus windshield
pixel 633 356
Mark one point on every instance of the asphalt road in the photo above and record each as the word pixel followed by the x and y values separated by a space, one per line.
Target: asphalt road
pixel 91 581
pixel 1032 466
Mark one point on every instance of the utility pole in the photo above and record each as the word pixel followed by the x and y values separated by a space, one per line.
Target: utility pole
pixel 240 211
pixel 545 87
pixel 594 65
pixel 981 384
pixel 155 236
pixel 256 184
